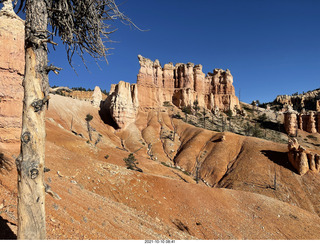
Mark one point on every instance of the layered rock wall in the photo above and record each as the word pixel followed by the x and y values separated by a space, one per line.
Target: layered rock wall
pixel 11 73
pixel 182 84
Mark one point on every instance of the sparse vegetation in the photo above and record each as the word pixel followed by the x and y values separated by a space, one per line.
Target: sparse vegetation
pixel 196 106
pixel 262 117
pixel 312 137
pixel 186 110
pixel 167 104
pixel 131 163
pixel 88 118
pixel 177 116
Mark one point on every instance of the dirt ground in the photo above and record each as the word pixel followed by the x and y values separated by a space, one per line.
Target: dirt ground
pixel 195 184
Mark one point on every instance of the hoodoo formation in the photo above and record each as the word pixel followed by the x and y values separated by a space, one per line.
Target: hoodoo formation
pixel 182 84
pixel 11 73
pixel 122 104
pixel 309 122
pixel 302 159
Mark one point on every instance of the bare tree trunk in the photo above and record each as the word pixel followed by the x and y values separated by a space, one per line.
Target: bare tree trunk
pixel 30 163
pixel 89 130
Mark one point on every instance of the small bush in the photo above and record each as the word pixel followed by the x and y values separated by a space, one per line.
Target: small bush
pixel 106 157
pixel 131 163
pixel 89 117
pixel 312 137
pixel 257 132
pixel 263 117
pixel 177 116
pixel 167 104
pixel 165 164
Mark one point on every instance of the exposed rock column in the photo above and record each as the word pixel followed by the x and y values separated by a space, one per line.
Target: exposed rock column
pixel 123 104
pixel 96 97
pixel 150 83
pixel 189 77
pixel 168 81
pixel 311 126
pixel 318 121
pixel 302 159
pixel 297 157
pixel 302 164
pixel 146 73
pixel 158 74
pixel 199 86
pixel 300 122
pixel 290 122
pixel 317 162
pixel 199 77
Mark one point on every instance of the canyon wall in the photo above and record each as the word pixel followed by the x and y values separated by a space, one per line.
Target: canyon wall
pixel 11 73
pixel 182 84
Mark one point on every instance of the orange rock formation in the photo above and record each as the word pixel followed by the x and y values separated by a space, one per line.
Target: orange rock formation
pixel 182 84
pixel 122 104
pixel 302 159
pixel 309 122
pixel 11 73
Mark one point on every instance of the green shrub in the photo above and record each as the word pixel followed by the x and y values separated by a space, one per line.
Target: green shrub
pixel 131 163
pixel 312 137
pixel 167 104
pixel 262 117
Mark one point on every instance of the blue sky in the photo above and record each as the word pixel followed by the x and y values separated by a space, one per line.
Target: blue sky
pixel 271 47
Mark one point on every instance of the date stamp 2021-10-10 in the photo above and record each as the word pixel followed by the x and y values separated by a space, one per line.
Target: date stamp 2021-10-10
pixel 159 241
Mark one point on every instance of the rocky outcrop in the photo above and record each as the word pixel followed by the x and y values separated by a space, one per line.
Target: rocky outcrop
pixel 290 122
pixel 309 122
pixel 302 159
pixel 122 104
pixel 309 100
pixel 11 72
pixel 182 84
pixel 96 97
pixel 90 96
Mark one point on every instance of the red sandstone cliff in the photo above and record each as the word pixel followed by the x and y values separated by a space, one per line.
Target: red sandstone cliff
pixel 182 84
pixel 11 74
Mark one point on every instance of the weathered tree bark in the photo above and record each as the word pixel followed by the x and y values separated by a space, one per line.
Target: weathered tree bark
pixel 30 163
pixel 89 130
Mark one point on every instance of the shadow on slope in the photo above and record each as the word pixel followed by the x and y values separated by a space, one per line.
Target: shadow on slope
pixel 5 232
pixel 106 117
pixel 280 158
